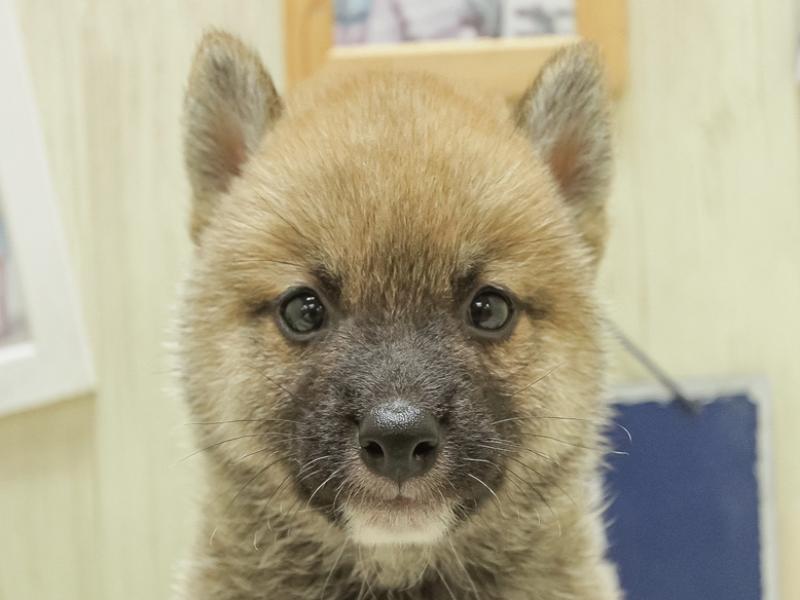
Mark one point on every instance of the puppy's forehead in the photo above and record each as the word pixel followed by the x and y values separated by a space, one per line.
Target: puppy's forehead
pixel 396 197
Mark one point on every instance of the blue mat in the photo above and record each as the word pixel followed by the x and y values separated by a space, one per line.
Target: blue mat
pixel 684 519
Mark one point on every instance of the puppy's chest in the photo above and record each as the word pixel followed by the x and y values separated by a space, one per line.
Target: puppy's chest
pixel 409 574
pixel 383 574
pixel 433 586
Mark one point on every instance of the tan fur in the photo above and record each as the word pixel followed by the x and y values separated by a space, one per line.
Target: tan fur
pixel 395 181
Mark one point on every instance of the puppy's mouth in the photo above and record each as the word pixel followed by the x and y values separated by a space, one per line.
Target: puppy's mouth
pixel 399 520
pixel 399 503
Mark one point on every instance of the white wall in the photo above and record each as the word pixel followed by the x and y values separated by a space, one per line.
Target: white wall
pixel 703 268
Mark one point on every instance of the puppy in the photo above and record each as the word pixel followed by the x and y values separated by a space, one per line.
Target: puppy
pixel 389 338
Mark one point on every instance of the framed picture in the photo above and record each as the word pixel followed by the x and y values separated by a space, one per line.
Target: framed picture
pixel 43 350
pixel 498 44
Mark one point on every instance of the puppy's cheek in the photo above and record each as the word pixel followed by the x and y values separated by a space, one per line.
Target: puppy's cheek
pixel 268 341
pixel 525 347
pixel 244 385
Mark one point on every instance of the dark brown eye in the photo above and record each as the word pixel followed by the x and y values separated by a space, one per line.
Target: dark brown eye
pixel 490 310
pixel 303 312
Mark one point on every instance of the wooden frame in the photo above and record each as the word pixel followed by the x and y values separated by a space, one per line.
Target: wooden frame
pixel 52 360
pixel 308 31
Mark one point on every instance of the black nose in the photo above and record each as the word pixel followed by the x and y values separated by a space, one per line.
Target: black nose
pixel 398 440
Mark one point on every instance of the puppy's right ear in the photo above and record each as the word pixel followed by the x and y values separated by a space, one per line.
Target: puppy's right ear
pixel 565 115
pixel 230 104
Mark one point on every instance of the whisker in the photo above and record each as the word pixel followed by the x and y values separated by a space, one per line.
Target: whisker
pixel 627 432
pixel 282 483
pixel 299 480
pixel 544 417
pixel 363 587
pixel 309 475
pixel 543 480
pixel 311 462
pixel 517 447
pixel 215 444
pixel 444 582
pixel 517 479
pixel 338 491
pixel 280 386
pixel 333 568
pixel 491 491
pixel 531 485
pixel 593 448
pixel 249 454
pixel 538 379
pixel 543 498
pixel 560 441
pixel 321 485
pixel 263 420
pixel 249 481
pixel 463 568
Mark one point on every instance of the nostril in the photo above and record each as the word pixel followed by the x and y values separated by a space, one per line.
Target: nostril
pixel 398 440
pixel 373 449
pixel 424 450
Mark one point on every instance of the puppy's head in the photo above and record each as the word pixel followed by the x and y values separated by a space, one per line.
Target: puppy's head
pixel 390 319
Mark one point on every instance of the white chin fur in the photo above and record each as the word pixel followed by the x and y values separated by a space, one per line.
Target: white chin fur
pixel 382 528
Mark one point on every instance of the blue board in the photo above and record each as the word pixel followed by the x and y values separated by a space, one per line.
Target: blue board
pixel 684 523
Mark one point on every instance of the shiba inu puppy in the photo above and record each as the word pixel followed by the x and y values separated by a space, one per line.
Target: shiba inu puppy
pixel 389 339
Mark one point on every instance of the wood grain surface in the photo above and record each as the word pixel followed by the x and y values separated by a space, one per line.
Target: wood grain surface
pixel 703 267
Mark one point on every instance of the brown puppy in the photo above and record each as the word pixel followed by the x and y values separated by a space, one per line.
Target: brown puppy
pixel 389 336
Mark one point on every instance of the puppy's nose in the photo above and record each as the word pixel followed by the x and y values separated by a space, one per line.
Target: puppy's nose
pixel 398 440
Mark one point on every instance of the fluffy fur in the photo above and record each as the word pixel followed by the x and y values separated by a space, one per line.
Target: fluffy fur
pixel 396 196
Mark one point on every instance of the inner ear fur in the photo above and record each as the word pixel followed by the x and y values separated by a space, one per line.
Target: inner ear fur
pixel 230 105
pixel 565 115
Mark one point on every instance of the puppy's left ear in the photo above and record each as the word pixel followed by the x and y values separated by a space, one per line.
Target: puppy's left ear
pixel 565 115
pixel 230 105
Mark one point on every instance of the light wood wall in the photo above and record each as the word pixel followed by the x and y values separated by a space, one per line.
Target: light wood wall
pixel 94 501
pixel 703 267
pixel 704 263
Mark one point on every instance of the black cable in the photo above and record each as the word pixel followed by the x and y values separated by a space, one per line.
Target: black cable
pixel 657 372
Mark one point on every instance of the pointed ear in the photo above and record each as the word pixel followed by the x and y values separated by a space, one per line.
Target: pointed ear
pixel 230 105
pixel 565 115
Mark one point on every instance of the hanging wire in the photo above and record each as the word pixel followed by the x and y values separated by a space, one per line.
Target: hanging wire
pixel 655 370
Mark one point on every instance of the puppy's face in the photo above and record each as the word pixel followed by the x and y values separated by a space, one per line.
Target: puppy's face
pixel 390 319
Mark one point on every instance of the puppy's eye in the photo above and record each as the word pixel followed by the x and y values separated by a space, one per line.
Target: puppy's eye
pixel 490 310
pixel 303 312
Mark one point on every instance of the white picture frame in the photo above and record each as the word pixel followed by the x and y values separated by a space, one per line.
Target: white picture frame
pixel 52 361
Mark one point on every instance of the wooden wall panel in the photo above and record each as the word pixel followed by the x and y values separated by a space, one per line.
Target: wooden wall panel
pixel 476 61
pixel 308 35
pixel 48 504
pixel 112 516
pixel 606 23
pixel 703 267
